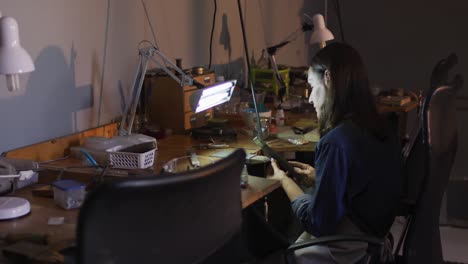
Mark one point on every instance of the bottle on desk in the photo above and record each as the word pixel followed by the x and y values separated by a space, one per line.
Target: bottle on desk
pixel 279 116
pixel 244 178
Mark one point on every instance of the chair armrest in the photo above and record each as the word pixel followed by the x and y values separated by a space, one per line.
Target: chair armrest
pixel 374 241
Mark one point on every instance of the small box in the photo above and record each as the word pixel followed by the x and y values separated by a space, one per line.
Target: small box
pixel 69 194
pixel 21 183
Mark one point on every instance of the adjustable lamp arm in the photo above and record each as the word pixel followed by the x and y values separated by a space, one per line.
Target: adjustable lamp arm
pixel 304 28
pixel 320 35
pixel 271 51
pixel 183 80
pixel 144 55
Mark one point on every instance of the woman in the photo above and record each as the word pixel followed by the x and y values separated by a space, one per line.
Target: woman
pixel 357 166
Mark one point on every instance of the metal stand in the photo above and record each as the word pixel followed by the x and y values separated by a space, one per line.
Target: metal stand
pixel 249 70
pixel 144 56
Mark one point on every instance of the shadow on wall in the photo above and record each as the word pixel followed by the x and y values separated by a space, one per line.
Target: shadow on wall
pixel 46 110
pixel 199 39
pixel 225 37
pixel 232 70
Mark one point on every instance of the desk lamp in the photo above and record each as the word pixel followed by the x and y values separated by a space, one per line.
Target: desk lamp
pixel 202 99
pixel 320 34
pixel 14 60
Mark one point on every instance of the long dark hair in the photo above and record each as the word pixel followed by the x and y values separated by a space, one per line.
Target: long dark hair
pixel 349 94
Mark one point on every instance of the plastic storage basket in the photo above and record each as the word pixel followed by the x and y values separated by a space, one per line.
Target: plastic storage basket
pixel 131 160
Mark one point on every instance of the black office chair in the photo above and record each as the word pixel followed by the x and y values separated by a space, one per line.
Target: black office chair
pixel 170 218
pixel 428 162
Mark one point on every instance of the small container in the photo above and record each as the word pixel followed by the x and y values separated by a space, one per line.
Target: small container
pixel 265 128
pixel 258 165
pixel 244 178
pixel 69 194
pixel 279 117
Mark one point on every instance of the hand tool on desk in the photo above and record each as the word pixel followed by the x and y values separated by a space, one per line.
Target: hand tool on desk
pixel 104 171
pixel 211 146
pixel 301 131
pixel 90 159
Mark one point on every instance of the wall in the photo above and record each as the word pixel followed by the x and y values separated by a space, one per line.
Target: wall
pixel 85 51
pixel 85 54
pixel 401 41
pixel 72 46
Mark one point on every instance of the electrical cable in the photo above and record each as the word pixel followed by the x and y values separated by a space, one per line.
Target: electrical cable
pixel 249 69
pixel 293 36
pixel 149 22
pixel 212 32
pixel 53 160
pixel 340 22
pixel 104 56
pixel 155 45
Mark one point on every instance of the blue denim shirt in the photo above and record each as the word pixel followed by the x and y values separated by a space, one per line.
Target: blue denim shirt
pixel 357 176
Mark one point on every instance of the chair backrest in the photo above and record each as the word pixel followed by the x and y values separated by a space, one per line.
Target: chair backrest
pixel 437 144
pixel 170 218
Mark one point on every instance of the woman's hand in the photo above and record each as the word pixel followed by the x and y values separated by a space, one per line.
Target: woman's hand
pixel 305 170
pixel 302 168
pixel 278 174
pixel 290 187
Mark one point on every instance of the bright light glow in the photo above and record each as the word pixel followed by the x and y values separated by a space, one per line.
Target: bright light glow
pixel 14 59
pixel 211 96
pixel 210 101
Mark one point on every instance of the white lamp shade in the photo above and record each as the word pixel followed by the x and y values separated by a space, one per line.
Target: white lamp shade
pixel 321 32
pixel 13 58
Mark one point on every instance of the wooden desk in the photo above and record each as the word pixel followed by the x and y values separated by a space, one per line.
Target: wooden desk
pixel 62 236
pixel 177 145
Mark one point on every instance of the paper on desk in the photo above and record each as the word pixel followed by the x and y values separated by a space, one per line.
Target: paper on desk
pixel 288 134
pixel 56 220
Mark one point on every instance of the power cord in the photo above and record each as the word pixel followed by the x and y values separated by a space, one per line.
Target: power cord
pixel 212 32
pixel 155 45
pixel 149 22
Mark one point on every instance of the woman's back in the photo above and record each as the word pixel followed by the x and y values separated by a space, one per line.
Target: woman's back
pixel 368 172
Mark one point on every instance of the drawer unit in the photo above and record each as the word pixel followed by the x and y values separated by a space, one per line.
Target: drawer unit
pixel 169 105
